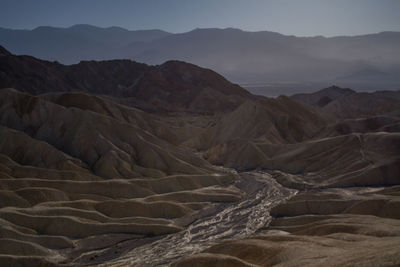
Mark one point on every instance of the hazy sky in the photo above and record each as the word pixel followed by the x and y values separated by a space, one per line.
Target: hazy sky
pixel 297 17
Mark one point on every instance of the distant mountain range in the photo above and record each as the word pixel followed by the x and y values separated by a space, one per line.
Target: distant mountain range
pixel 76 43
pixel 243 57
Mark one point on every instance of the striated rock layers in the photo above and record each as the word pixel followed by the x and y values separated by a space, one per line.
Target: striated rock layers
pixel 348 174
pixel 98 153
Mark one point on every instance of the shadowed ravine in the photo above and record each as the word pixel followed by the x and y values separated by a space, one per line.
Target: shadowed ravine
pixel 219 223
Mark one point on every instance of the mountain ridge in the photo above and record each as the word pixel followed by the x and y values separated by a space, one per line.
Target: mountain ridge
pixel 345 103
pixel 173 85
pixel 242 56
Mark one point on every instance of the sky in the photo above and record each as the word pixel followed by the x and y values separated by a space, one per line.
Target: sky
pixel 291 17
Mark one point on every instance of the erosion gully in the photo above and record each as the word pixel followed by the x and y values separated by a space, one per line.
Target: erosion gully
pixel 220 222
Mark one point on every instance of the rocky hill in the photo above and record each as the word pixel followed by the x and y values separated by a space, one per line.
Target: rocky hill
pixel 172 86
pixel 323 97
pixel 348 104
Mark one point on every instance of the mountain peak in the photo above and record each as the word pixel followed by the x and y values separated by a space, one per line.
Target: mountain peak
pixel 334 88
pixel 323 97
pixel 84 27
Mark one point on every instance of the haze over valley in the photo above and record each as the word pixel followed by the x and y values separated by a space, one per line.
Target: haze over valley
pixel 266 59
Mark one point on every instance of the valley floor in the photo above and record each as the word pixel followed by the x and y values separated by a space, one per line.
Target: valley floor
pixel 211 226
pixel 330 227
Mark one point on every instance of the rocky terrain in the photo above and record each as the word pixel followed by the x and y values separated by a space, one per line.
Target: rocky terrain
pixel 343 103
pixel 172 86
pixel 347 174
pixel 120 163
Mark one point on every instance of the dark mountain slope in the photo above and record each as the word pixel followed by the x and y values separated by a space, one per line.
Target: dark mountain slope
pixel 173 85
pixel 179 84
pixel 323 97
pixel 362 105
pixel 37 76
pixel 345 103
